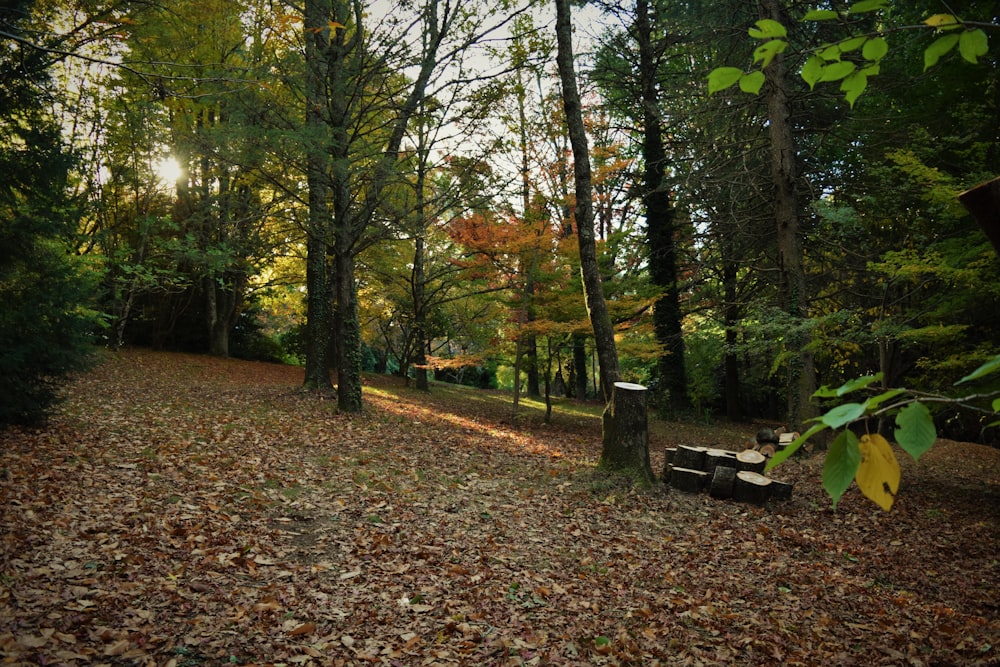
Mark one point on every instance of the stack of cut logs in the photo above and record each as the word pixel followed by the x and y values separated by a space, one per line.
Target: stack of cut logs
pixel 727 474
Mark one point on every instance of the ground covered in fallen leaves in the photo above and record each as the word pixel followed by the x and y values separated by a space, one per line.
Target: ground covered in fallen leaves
pixel 183 510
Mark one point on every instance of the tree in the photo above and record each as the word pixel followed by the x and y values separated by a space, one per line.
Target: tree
pixel 626 454
pixel 630 68
pixel 45 320
pixel 870 460
pixel 367 108
pixel 583 218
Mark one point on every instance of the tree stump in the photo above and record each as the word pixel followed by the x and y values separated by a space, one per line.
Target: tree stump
pixel 751 460
pixel 626 435
pixel 689 456
pixel 690 481
pixel 751 487
pixel 722 482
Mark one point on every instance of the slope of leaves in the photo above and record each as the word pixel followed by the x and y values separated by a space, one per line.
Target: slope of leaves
pixel 185 510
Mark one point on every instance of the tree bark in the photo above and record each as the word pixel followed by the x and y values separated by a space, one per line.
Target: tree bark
pixel 626 433
pixel 661 229
pixel 597 308
pixel 801 368
pixel 723 480
pixel 318 295
pixel 751 487
pixel 579 376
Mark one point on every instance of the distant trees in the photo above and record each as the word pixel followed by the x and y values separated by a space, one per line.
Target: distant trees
pixel 386 197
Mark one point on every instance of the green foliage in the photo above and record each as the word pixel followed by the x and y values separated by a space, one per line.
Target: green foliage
pixel 45 322
pixel 915 432
pixel 827 62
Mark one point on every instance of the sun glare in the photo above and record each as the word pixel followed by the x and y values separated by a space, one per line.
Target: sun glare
pixel 168 170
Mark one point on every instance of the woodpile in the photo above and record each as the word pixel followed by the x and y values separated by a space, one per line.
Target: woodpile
pixel 725 474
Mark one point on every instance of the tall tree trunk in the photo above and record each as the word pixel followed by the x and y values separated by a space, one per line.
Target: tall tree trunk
pixel 731 321
pixel 661 228
pixel 625 441
pixel 801 369
pixel 527 342
pixel 580 365
pixel 597 307
pixel 319 322
pixel 419 311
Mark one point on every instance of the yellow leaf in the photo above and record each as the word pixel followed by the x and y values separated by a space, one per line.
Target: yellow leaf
pixel 941 21
pixel 878 475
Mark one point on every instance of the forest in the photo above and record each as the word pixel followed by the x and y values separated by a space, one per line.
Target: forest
pixel 397 189
pixel 309 312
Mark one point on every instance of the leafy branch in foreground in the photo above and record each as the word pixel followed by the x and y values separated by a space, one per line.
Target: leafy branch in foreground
pixel 854 59
pixel 869 460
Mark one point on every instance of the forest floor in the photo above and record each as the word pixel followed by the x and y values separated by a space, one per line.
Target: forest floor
pixel 183 510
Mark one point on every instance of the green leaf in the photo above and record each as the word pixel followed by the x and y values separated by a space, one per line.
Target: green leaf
pixel 866 6
pixel 820 15
pixel 768 50
pixel 794 445
pixel 938 48
pixel 843 414
pixel 996 405
pixel 852 44
pixel 847 387
pixel 853 86
pixel 973 44
pixel 915 430
pixel 841 465
pixel 812 70
pixel 837 71
pixel 876 401
pixel 752 82
pixel 767 28
pixel 989 367
pixel 721 78
pixel 875 48
pixel 830 53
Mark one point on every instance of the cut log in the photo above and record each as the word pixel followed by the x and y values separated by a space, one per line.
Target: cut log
pixel 751 460
pixel 751 487
pixel 690 457
pixel 690 481
pixel 719 457
pixel 722 482
pixel 781 490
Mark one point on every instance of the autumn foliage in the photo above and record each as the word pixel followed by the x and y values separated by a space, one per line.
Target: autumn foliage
pixel 185 510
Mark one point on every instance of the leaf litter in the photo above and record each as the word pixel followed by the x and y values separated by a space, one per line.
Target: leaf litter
pixel 184 510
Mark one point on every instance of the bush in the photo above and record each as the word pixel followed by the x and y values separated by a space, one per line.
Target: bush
pixel 46 325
